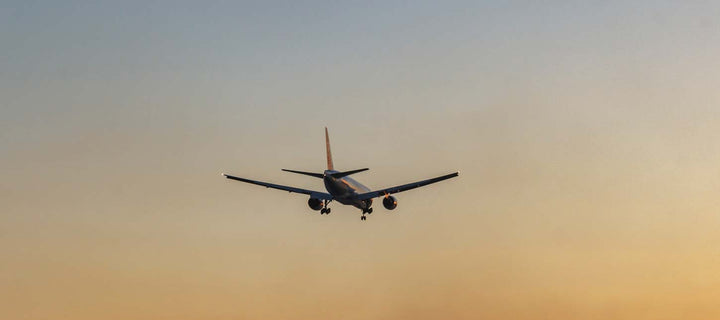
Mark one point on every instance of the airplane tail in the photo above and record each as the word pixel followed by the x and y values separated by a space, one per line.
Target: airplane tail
pixel 329 161
pixel 336 175
pixel 312 174
pixel 329 154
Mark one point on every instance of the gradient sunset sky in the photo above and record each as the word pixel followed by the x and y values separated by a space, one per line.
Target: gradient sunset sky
pixel 586 134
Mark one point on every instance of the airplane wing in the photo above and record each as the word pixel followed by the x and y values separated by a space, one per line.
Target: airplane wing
pixel 405 187
pixel 313 194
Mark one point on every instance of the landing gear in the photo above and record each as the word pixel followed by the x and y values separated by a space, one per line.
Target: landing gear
pixel 325 209
pixel 368 211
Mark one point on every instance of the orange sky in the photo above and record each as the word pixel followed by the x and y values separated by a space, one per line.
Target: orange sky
pixel 585 137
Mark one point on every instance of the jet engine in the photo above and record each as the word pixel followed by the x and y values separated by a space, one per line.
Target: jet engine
pixel 389 202
pixel 315 204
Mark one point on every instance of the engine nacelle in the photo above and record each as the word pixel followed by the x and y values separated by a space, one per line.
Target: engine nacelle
pixel 315 204
pixel 390 202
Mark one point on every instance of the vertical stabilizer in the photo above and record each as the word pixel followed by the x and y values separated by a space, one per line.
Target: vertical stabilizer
pixel 329 154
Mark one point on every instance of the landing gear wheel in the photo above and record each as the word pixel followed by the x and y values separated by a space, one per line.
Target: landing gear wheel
pixel 327 211
pixel 362 218
pixel 323 210
pixel 369 211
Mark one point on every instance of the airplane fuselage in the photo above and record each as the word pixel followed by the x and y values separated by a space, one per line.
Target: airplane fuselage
pixel 346 189
pixel 343 189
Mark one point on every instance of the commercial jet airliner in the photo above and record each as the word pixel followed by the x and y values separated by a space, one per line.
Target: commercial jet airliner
pixel 344 189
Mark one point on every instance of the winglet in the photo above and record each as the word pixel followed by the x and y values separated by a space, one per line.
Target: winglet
pixel 329 154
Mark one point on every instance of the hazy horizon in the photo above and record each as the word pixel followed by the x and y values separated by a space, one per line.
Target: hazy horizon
pixel 585 135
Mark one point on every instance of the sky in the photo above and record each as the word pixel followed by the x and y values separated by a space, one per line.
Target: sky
pixel 585 133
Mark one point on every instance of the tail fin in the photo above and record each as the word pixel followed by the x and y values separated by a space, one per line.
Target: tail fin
pixel 329 154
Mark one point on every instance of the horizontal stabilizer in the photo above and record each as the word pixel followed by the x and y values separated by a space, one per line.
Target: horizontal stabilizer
pixel 338 175
pixel 312 174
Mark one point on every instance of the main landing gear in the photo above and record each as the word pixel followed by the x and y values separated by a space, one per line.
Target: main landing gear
pixel 325 209
pixel 368 211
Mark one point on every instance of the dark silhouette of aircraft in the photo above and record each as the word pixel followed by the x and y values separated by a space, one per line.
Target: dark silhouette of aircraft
pixel 341 188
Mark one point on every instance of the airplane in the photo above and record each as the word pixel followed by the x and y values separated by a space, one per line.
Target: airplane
pixel 341 188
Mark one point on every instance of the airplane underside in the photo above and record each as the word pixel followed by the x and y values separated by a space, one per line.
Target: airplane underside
pixel 343 189
pixel 364 205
